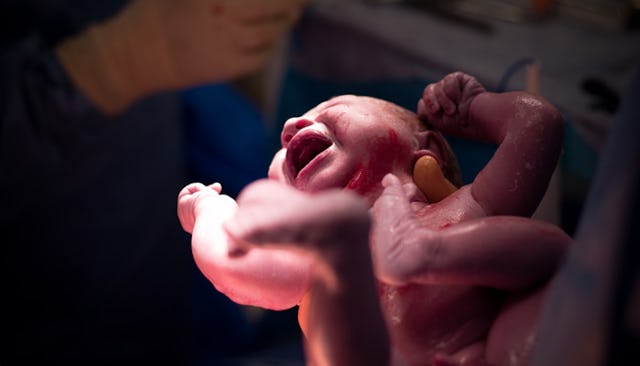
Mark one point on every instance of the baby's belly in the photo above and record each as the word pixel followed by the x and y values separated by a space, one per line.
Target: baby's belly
pixel 424 320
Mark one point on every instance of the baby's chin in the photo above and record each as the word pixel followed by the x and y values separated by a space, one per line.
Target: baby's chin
pixel 311 184
pixel 276 168
pixel 324 180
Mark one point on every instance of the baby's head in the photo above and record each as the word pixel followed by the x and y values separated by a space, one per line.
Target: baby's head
pixel 352 142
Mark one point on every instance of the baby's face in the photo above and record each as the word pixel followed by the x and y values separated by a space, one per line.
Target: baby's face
pixel 346 142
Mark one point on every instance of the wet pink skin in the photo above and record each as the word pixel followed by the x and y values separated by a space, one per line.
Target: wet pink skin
pixel 364 146
pixel 384 276
pixel 365 184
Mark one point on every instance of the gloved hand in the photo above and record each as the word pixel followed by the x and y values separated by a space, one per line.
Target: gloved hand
pixel 158 45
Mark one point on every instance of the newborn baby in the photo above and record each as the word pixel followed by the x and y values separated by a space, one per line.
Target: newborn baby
pixel 389 262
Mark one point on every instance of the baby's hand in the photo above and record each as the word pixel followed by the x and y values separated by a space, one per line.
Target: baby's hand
pixel 190 197
pixel 445 104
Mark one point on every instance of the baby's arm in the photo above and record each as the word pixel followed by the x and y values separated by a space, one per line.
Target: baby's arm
pixel 504 252
pixel 526 127
pixel 340 316
pixel 271 278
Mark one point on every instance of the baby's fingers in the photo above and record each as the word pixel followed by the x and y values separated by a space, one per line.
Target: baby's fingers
pixel 190 189
pixel 198 187
pixel 185 205
pixel 189 197
pixel 217 187
pixel 446 93
pixel 435 105
pixel 428 104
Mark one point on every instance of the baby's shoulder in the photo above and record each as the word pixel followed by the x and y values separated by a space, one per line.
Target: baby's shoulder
pixel 458 207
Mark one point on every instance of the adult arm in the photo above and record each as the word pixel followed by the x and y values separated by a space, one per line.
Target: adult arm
pixel 153 46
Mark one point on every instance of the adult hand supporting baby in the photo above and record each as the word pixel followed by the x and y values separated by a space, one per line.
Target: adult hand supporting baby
pixel 158 45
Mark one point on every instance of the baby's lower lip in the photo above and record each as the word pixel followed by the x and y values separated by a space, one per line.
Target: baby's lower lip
pixel 301 180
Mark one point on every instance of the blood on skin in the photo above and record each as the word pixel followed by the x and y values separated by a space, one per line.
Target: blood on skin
pixel 367 176
pixel 358 180
pixel 393 137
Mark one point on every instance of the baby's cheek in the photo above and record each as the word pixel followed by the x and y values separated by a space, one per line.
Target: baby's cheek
pixel 367 178
pixel 380 155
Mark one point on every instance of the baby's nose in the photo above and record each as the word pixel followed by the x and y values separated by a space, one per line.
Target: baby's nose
pixel 291 127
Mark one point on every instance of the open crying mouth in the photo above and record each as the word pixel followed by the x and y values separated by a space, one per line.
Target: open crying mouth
pixel 306 149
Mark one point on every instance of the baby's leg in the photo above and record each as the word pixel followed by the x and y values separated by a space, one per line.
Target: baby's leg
pixel 340 315
pixel 513 334
pixel 510 341
pixel 472 355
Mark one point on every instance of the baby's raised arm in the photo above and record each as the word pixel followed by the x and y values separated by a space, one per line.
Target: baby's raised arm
pixel 527 129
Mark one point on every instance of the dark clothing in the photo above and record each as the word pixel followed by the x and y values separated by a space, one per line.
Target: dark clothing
pixel 93 263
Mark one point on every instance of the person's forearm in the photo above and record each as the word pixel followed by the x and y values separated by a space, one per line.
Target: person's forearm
pixel 154 46
pixel 121 59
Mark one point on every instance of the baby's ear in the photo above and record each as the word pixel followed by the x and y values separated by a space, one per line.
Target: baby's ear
pixel 431 171
pixel 435 143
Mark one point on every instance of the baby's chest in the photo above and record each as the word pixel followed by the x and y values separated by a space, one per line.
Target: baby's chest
pixel 458 207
